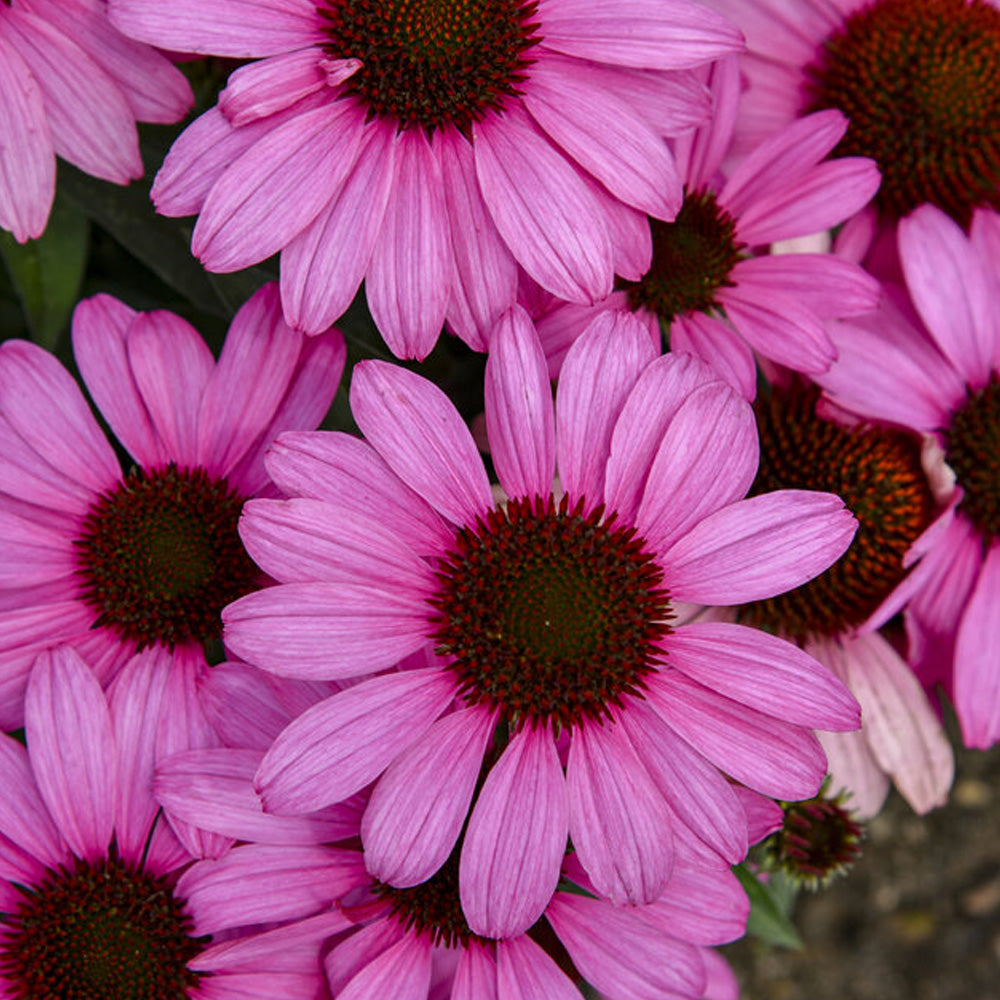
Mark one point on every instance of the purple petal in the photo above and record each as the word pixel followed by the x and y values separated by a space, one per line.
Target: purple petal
pixel 525 972
pixel 402 971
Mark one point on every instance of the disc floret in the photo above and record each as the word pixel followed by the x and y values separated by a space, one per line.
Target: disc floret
pixel 550 613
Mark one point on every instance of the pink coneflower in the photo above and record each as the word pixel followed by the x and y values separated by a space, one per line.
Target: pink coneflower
pixel 74 87
pixel 93 900
pixel 429 148
pixel 117 562
pixel 918 79
pixel 550 616
pixel 943 380
pixel 708 286
pixel 878 471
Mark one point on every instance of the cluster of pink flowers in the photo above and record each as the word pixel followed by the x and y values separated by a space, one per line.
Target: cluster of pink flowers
pixel 487 703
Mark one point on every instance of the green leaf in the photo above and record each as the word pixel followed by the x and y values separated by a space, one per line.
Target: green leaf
pixel 769 910
pixel 47 272
pixel 162 244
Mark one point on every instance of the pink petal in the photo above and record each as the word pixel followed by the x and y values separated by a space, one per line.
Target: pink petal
pixel 951 290
pixel 256 90
pixel 24 818
pixel 789 153
pixel 241 29
pixel 516 838
pixel 421 802
pixel 156 90
pixel 136 702
pixel 600 371
pixel 519 411
pixel 525 972
pixel 257 986
pixel 701 905
pixel 622 955
pixel 172 366
pixel 779 327
pixel 320 631
pixel 349 472
pixel 604 135
pixel 256 884
pixel 484 284
pixel 414 426
pixel 402 971
pixel 97 134
pixel 476 975
pixel 100 337
pixel 340 745
pixel 719 346
pixel 305 540
pixel 771 756
pixel 291 948
pixel 68 727
pixel 277 187
pixel 854 770
pixel 35 551
pixel 706 460
pixel 27 160
pixel 977 679
pixel 618 821
pixel 649 407
pixel 542 208
pixel 322 267
pixel 408 285
pixel 658 34
pixel 902 729
pixel 764 672
pixel 823 282
pixel 356 951
pixel 45 407
pixel 245 388
pixel 824 197
pixel 700 151
pixel 701 797
pixel 211 789
pixel 756 548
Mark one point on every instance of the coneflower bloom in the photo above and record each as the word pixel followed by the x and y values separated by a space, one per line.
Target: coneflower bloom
pixel 99 902
pixel 708 286
pixel 879 473
pixel 943 380
pixel 417 937
pixel 918 79
pixel 550 617
pixel 113 561
pixel 429 148
pixel 74 87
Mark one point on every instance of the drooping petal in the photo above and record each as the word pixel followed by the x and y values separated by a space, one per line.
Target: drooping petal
pixel 421 802
pixel 618 821
pixel 515 840
pixel 24 818
pixel 542 208
pixel 717 344
pixel 525 972
pixel 27 159
pixel 759 547
pixel 340 745
pixel 277 187
pixel 402 971
pixel 520 418
pixel 258 89
pixel 408 284
pixel 69 730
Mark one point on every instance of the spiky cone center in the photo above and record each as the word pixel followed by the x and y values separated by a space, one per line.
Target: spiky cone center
pixel 548 613
pixel 818 840
pixel 973 452
pixel 920 82
pixel 877 471
pixel 693 258
pixel 433 63
pixel 102 931
pixel 159 556
pixel 432 909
